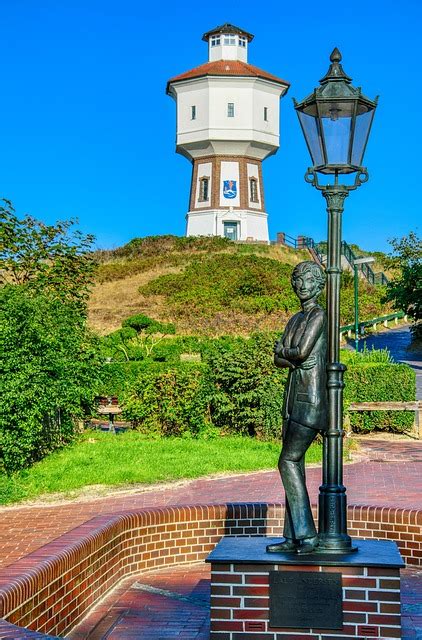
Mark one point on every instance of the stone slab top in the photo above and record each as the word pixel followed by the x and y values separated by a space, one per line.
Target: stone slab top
pixel 243 550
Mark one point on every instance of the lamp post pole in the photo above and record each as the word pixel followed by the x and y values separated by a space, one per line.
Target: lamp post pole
pixel 356 263
pixel 356 287
pixel 332 507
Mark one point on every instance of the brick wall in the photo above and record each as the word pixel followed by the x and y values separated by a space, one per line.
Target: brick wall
pixel 51 589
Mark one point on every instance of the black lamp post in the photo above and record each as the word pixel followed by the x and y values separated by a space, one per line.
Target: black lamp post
pixel 336 120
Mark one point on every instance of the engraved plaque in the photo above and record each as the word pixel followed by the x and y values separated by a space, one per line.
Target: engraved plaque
pixel 303 600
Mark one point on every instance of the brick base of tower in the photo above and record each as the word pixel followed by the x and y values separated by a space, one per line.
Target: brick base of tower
pixel 227 199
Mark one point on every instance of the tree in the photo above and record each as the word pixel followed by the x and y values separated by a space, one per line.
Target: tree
pixel 50 371
pixel 53 259
pixel 405 290
pixel 48 357
pixel 138 337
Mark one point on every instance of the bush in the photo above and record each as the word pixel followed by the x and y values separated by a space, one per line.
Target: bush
pixel 248 389
pixel 379 382
pixel 172 402
pixel 49 374
pixel 223 281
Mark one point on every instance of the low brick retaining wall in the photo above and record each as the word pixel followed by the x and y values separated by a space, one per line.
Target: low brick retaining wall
pixel 51 590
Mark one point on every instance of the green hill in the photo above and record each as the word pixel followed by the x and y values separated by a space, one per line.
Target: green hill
pixel 207 286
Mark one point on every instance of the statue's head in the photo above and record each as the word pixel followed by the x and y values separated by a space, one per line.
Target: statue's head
pixel 308 280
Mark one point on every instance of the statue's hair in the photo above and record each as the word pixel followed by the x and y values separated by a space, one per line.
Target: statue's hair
pixel 314 268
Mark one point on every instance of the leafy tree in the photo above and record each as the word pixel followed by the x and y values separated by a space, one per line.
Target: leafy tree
pixel 405 290
pixel 138 337
pixel 50 371
pixel 54 259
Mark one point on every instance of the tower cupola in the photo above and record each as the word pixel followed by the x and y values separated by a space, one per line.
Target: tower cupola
pixel 227 42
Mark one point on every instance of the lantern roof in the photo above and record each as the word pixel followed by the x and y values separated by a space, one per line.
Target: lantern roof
pixel 335 85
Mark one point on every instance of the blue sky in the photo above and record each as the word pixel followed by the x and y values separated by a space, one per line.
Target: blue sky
pixel 87 131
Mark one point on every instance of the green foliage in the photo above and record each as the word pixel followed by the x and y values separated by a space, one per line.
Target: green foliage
pixel 379 382
pixel 382 356
pixel 137 338
pixel 162 245
pixel 405 290
pixel 172 402
pixel 213 283
pixel 48 259
pixel 49 372
pixel 248 389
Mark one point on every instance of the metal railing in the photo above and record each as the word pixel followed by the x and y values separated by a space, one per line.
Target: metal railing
pixel 371 276
pixel 318 251
pixel 384 320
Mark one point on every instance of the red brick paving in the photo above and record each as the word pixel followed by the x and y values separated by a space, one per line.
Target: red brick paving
pixel 129 613
pixel 370 482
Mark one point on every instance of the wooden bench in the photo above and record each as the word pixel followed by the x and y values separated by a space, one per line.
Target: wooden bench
pixel 415 406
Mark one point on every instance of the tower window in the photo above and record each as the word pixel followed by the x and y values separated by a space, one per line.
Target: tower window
pixel 253 189
pixel 242 41
pixel 204 184
pixel 215 41
pixel 193 112
pixel 230 109
pixel 266 114
pixel 229 40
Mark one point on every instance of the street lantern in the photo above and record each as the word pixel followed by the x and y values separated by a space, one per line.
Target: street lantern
pixel 336 119
pixel 358 262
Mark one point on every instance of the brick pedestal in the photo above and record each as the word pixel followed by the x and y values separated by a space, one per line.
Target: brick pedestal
pixel 240 591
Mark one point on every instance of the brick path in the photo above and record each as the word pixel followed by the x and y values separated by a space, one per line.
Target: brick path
pixel 175 604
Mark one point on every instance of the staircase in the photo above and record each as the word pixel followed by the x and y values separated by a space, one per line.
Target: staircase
pixel 318 253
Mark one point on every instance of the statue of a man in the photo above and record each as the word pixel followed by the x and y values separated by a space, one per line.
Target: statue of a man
pixel 303 350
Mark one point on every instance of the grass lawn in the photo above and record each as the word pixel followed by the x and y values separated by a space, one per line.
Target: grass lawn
pixel 120 461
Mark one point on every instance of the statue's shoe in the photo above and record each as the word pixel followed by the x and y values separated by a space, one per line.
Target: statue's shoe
pixel 282 547
pixel 308 545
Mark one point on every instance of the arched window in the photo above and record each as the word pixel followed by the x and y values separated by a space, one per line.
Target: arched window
pixel 204 184
pixel 253 189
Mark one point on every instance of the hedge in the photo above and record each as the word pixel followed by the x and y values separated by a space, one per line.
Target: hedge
pixel 377 382
pixel 237 389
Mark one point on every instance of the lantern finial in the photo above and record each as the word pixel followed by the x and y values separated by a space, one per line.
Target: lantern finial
pixel 335 55
pixel 335 72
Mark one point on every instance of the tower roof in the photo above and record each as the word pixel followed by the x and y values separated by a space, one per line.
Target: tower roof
pixel 228 28
pixel 226 68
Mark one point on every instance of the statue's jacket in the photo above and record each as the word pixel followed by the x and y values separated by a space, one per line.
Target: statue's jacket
pixel 305 346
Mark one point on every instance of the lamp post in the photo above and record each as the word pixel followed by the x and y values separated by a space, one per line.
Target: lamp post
pixel 336 119
pixel 356 263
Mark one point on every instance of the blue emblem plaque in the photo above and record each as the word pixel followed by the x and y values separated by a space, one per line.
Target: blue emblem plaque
pixel 229 189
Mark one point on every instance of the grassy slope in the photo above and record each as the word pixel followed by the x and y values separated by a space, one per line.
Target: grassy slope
pixel 121 461
pixel 116 294
pixel 136 279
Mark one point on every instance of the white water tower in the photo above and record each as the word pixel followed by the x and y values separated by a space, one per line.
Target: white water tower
pixel 228 114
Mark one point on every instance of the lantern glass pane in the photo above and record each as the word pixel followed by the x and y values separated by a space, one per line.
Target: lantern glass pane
pixel 362 127
pixel 313 139
pixel 336 122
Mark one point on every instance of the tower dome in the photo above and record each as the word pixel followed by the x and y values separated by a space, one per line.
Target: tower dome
pixel 227 123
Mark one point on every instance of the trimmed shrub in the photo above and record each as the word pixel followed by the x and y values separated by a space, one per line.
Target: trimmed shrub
pixel 172 402
pixel 379 382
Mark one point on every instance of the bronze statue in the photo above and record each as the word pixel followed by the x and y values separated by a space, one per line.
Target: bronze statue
pixel 303 350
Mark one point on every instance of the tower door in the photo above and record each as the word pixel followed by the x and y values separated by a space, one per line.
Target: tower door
pixel 231 230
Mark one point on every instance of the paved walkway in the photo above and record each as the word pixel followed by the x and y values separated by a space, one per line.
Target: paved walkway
pixel 174 603
pixel 370 482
